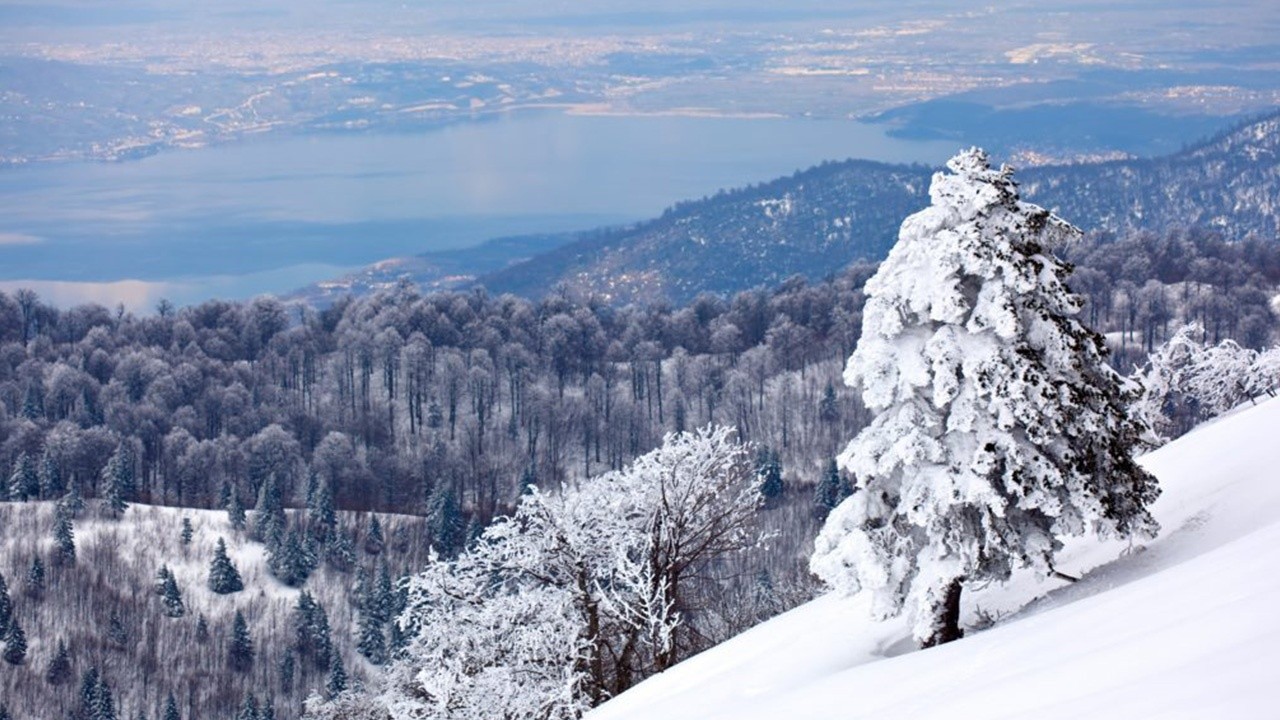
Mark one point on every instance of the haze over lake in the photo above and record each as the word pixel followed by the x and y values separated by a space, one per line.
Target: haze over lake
pixel 273 213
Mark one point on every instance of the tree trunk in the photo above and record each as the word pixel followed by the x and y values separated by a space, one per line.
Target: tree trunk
pixel 946 617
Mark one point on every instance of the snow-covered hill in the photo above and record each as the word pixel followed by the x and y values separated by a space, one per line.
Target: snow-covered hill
pixel 1186 627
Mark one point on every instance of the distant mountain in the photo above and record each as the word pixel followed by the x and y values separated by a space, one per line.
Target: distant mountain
pixel 817 221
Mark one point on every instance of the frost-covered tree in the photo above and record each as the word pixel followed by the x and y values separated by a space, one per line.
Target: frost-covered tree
pixel 64 537
pixel 187 531
pixel 577 595
pixel 51 485
pixel 240 649
pixel 235 510
pixel 223 576
pixel 35 578
pixel 171 709
pixel 374 541
pixel 24 483
pixel 170 595
pixel 15 644
pixel 999 427
pixel 59 670
pixel 336 682
pixel 830 491
pixel 6 606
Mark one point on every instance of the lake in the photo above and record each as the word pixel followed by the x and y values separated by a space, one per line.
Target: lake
pixel 272 213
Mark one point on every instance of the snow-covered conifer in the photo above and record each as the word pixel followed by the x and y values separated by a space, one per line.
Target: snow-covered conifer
pixel 6 606
pixel 59 670
pixel 24 483
pixel 15 643
pixel 240 649
pixel 35 578
pixel 171 709
pixel 999 427
pixel 64 536
pixel 223 576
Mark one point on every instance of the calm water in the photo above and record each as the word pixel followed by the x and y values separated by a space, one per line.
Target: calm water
pixel 270 214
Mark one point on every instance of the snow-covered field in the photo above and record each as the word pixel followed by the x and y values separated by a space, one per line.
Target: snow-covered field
pixel 1187 627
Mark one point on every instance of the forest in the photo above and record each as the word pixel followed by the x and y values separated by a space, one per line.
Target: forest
pixel 449 406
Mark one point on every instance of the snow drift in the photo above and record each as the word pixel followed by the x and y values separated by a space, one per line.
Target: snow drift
pixel 1185 627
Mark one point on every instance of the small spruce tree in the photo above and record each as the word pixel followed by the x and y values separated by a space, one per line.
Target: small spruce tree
pixel 223 576
pixel 337 680
pixel 235 511
pixel 202 629
pixel 24 483
pixel 64 536
pixel 50 476
pixel 6 606
pixel 35 578
pixel 374 541
pixel 15 644
pixel 171 709
pixel 59 670
pixel 116 633
pixel 240 650
pixel 187 531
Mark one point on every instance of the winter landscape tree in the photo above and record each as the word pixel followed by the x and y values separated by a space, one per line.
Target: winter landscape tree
pixel 999 428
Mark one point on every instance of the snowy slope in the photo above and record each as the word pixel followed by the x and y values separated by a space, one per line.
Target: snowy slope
pixel 1186 628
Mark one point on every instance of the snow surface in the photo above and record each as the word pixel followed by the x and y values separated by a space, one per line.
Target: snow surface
pixel 1187 627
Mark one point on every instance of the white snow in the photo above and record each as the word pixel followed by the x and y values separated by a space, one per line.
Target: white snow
pixel 1189 627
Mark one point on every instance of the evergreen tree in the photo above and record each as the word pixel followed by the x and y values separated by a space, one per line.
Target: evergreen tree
pixel 202 630
pixel 323 516
pixel 24 483
pixel 225 495
pixel 830 491
pixel 6 606
pixel 249 708
pixel 171 709
pixel 64 536
pixel 372 643
pixel 449 525
pixel 171 596
pixel 528 479
pixel 88 692
pixel 50 476
pixel 103 706
pixel 289 562
pixel 240 651
pixel 4 712
pixel 311 631
pixel 828 408
pixel 15 643
pixel 35 578
pixel 235 511
pixel 268 514
pixel 268 711
pixel 73 501
pixel 223 576
pixel 187 531
pixel 59 670
pixel 115 478
pixel 769 468
pixel 337 680
pixel 374 542
pixel 341 555
pixel 999 429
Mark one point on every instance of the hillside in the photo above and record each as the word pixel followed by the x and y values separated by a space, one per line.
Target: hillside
pixel 816 221
pixel 1182 628
pixel 115 576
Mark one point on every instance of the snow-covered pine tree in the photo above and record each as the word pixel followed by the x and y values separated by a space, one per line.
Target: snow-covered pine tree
pixel 15 643
pixel 223 576
pixel 64 536
pixel 235 510
pixel 50 475
pixel 114 478
pixel 240 650
pixel 374 541
pixel 999 426
pixel 371 641
pixel 35 578
pixel 170 596
pixel 59 670
pixel 6 606
pixel 337 680
pixel 170 709
pixel 187 531
pixel 24 483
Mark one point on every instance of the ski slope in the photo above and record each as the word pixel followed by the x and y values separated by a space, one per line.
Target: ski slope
pixel 1186 627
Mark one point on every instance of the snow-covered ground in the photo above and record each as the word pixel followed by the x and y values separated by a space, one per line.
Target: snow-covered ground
pixel 1187 627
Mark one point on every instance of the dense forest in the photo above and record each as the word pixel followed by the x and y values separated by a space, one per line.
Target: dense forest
pixel 447 406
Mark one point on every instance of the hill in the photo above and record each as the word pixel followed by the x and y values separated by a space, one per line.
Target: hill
pixel 816 221
pixel 153 655
pixel 1184 627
